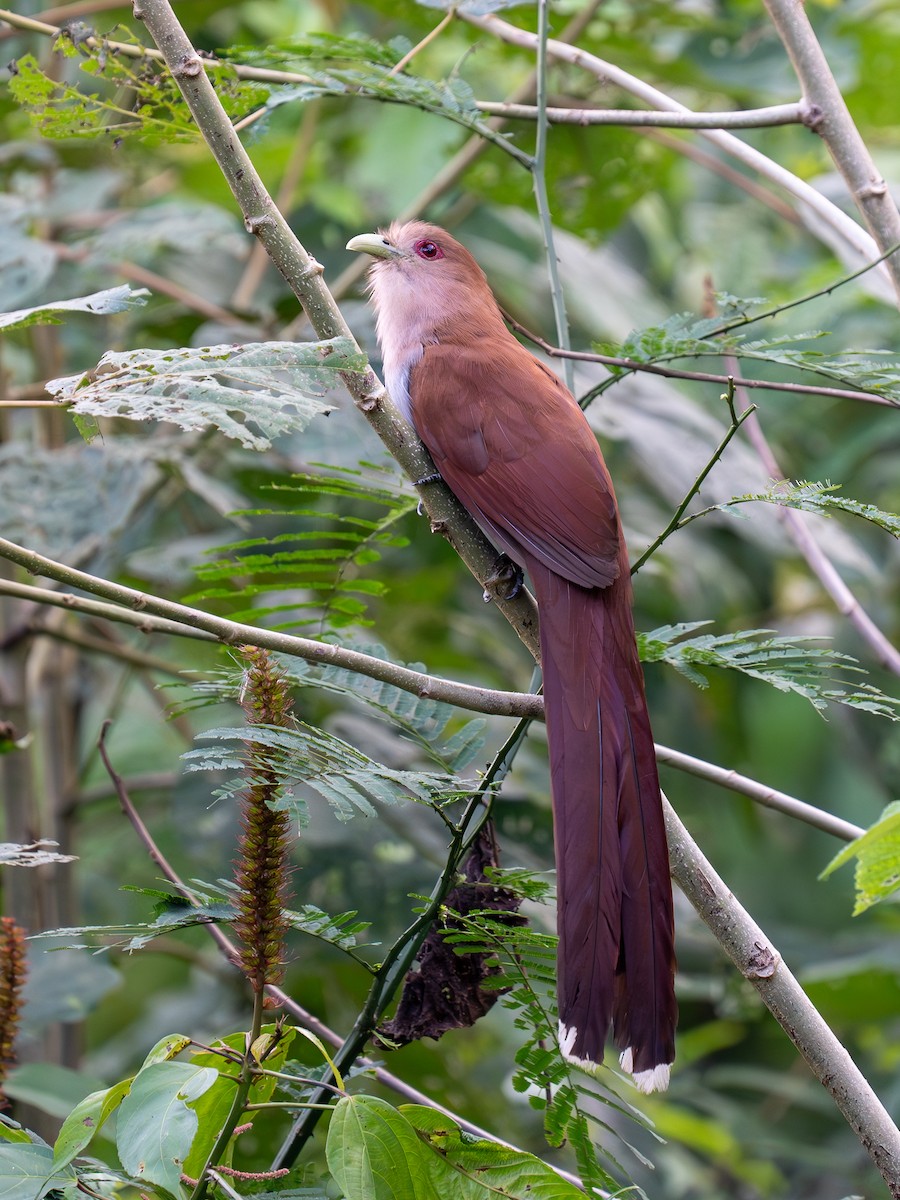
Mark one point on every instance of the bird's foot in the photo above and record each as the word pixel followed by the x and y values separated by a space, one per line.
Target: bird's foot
pixel 434 477
pixel 505 580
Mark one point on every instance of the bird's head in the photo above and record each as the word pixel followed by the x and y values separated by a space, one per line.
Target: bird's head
pixel 423 272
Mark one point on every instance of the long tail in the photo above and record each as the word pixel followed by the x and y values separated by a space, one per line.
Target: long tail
pixel 616 941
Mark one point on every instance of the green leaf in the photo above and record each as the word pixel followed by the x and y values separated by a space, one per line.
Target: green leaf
pixel 789 664
pixel 157 1126
pixel 276 386
pixel 11 1132
pixel 877 853
pixel 213 1106
pixel 374 1152
pixel 27 1172
pixel 814 497
pixel 166 1049
pixel 470 1168
pixel 111 300
pixel 85 1120
pixel 348 779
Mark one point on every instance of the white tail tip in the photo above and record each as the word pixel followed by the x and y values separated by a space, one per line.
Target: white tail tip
pixel 656 1079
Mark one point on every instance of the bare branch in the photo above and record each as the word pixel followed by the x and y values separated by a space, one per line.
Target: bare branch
pixel 751 118
pixel 759 962
pixel 233 633
pixel 759 792
pixel 855 238
pixel 836 127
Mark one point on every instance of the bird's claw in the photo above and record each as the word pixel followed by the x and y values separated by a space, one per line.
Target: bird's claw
pixel 505 580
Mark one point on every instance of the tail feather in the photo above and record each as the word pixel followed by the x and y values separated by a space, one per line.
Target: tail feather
pixel 614 896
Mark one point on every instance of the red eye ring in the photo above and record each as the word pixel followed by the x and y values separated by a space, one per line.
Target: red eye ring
pixel 429 250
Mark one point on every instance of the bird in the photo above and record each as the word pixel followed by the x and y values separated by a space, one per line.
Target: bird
pixel 511 442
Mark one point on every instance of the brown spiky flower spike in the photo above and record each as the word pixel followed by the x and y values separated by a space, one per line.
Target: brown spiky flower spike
pixel 261 868
pixel 12 980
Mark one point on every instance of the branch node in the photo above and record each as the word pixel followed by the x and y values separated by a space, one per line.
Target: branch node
pixel 256 223
pixel 190 65
pixel 874 189
pixel 312 270
pixel 371 400
pixel 763 962
pixel 812 116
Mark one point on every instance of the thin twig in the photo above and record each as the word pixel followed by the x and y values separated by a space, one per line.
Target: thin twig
pixel 751 118
pixel 541 198
pixel 818 818
pixel 607 72
pixel 425 41
pixel 674 523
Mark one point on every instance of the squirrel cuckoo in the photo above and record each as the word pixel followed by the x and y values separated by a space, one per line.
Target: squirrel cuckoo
pixel 511 442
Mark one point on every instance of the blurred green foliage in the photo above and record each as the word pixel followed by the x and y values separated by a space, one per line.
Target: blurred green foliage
pixel 644 231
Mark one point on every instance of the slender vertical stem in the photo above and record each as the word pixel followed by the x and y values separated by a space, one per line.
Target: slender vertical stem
pixel 242 1091
pixel 539 179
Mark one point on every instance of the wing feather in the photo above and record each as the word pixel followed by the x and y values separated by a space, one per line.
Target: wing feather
pixel 491 416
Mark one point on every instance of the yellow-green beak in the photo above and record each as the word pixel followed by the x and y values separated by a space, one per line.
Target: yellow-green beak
pixel 375 244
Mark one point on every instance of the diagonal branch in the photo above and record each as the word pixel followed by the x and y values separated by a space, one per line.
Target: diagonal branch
pixel 233 633
pixel 835 126
pixel 759 962
pixel 304 276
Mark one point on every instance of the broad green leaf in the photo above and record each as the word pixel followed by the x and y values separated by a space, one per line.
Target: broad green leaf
pixel 11 1132
pixel 470 1168
pixel 877 853
pixel 157 1126
pixel 276 387
pixel 213 1106
pixel 166 1049
pixel 85 1120
pixel 27 1172
pixel 111 300
pixel 374 1152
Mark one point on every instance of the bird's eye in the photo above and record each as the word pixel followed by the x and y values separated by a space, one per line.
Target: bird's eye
pixel 428 249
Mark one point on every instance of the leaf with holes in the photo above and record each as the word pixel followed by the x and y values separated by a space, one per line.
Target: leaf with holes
pixel 251 393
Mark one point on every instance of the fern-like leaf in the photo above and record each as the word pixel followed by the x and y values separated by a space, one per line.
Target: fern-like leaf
pixel 790 664
pixel 815 497
pixel 310 760
pixel 686 336
pixel 325 557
